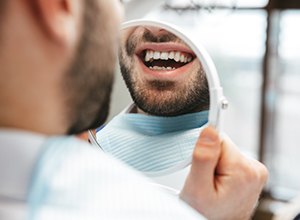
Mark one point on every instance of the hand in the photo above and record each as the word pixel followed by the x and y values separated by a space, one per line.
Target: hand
pixel 223 183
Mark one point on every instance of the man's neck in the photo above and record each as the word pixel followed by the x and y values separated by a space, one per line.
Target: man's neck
pixel 137 110
pixel 28 120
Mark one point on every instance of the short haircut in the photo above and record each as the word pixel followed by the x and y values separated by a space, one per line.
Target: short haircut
pixel 2 6
pixel 2 11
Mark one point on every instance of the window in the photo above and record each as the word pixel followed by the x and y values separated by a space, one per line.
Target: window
pixel 283 146
pixel 262 83
pixel 235 40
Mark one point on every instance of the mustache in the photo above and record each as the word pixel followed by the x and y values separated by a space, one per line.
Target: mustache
pixel 148 36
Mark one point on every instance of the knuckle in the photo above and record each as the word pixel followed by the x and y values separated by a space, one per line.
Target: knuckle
pixel 256 172
pixel 249 172
pixel 203 155
pixel 263 172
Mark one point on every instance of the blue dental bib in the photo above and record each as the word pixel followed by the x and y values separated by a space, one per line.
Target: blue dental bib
pixel 152 144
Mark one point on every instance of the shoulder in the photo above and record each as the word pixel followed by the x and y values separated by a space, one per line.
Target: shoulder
pixel 94 184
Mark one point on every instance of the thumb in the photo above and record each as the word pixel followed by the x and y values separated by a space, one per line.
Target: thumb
pixel 205 158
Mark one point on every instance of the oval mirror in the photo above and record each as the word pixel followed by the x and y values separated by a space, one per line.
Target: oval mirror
pixel 176 93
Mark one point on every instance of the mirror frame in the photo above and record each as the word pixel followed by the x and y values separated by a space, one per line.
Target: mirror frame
pixel 217 100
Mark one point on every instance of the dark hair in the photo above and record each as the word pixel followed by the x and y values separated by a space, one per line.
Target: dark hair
pixel 2 6
pixel 88 82
pixel 2 10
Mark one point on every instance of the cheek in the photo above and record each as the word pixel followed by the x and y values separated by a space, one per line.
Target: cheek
pixel 115 13
pixel 119 10
pixel 112 22
pixel 126 62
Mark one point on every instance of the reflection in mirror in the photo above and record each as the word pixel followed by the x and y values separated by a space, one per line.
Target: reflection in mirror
pixel 167 82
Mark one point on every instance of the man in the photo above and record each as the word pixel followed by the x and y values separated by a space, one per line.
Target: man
pixel 171 98
pixel 57 59
pixel 162 73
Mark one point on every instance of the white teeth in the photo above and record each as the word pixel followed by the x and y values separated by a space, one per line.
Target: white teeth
pixel 161 68
pixel 177 56
pixel 157 68
pixel 182 58
pixel 156 55
pixel 149 56
pixel 164 55
pixel 172 55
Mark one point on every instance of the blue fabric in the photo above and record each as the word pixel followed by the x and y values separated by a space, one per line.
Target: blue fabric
pixel 74 181
pixel 152 143
pixel 51 159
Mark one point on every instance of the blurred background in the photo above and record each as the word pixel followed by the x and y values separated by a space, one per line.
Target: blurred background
pixel 255 45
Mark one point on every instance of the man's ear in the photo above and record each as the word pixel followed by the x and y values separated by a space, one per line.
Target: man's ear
pixel 61 19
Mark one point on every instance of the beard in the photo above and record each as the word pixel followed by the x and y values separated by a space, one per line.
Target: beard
pixel 88 81
pixel 162 97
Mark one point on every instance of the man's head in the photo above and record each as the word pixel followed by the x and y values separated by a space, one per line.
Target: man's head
pixel 57 60
pixel 162 73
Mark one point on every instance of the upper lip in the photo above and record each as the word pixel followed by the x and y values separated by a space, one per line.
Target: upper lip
pixel 164 47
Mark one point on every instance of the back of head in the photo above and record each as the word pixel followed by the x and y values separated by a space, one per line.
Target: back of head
pixel 57 61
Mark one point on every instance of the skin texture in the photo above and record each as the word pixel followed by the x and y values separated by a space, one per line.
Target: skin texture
pixel 57 47
pixel 221 176
pixel 48 63
pixel 156 96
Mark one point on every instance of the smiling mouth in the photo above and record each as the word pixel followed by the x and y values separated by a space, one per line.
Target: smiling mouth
pixel 165 60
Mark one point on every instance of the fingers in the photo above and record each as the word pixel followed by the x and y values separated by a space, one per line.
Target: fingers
pixel 239 166
pixel 205 157
pixel 261 173
pixel 230 158
pixel 222 178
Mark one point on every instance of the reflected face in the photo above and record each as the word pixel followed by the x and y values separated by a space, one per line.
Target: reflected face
pixel 89 80
pixel 162 73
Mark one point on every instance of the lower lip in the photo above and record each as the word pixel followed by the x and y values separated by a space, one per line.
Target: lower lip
pixel 164 74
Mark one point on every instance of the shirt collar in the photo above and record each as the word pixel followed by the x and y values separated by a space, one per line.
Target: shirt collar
pixel 18 153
